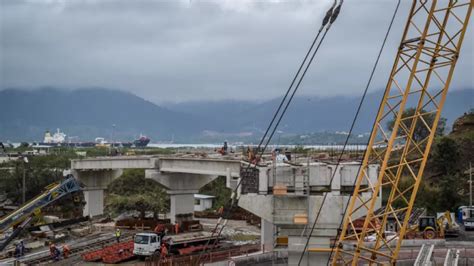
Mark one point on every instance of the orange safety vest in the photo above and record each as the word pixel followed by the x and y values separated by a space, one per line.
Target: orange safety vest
pixel 164 250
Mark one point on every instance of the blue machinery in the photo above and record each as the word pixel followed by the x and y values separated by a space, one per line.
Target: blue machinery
pixel 23 215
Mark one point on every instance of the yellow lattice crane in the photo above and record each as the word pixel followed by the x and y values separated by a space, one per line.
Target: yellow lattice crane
pixel 420 78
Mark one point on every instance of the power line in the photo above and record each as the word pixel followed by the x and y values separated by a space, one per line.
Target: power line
pixel 330 17
pixel 348 136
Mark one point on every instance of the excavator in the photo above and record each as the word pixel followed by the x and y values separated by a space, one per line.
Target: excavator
pixel 21 217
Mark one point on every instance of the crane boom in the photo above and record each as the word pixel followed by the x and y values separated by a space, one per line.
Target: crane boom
pixel 53 192
pixel 420 78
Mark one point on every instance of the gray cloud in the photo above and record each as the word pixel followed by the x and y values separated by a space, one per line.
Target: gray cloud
pixel 198 49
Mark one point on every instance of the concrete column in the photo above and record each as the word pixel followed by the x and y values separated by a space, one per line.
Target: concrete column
pixel 180 202
pixel 267 235
pixel 181 188
pixel 95 182
pixel 94 202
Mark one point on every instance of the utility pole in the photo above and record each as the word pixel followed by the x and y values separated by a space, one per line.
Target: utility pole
pixel 25 161
pixel 470 184
pixel 113 133
pixel 24 185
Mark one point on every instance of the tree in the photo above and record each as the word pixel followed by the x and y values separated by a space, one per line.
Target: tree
pixel 40 171
pixel 133 192
pixel 218 189
pixel 421 131
pixel 451 187
pixel 444 156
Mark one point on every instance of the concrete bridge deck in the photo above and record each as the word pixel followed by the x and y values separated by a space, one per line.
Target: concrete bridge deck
pixel 118 162
pixel 182 176
pixel 170 164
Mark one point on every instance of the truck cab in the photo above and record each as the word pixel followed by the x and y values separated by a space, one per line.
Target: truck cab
pixel 145 244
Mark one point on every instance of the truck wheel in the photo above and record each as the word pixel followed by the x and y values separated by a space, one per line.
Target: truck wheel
pixel 429 234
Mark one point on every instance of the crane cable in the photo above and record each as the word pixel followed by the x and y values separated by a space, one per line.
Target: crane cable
pixel 330 17
pixel 324 23
pixel 348 136
pixel 367 146
pixel 333 17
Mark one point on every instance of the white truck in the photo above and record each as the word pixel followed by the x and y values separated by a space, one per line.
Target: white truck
pixel 145 244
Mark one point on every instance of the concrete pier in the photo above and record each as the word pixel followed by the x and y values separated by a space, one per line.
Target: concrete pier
pixel 181 188
pixel 96 183
pixel 288 197
pixel 97 173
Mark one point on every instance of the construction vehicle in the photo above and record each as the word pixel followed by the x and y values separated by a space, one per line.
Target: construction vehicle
pixel 147 244
pixel 430 227
pixel 420 77
pixel 468 224
pixel 21 217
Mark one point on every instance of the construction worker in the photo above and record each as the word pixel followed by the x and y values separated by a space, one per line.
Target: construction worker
pixel 66 251
pixel 17 252
pixel 164 251
pixel 51 250
pixel 176 228
pixel 224 148
pixel 54 252
pixel 250 155
pixel 220 211
pixel 22 248
pixel 118 233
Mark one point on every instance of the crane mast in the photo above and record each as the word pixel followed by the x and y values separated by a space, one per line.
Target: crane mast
pixel 419 79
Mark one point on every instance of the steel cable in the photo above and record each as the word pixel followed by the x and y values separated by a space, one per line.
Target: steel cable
pixel 330 17
pixel 348 137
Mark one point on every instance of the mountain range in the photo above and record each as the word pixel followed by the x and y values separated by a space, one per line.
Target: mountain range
pixel 96 112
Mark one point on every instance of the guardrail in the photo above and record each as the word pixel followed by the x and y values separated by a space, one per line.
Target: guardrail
pixel 209 257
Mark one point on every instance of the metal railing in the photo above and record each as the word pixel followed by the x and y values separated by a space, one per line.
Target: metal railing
pixel 209 257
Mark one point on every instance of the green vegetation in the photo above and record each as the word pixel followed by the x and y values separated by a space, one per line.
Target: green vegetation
pixel 421 131
pixel 40 171
pixel 218 189
pixel 133 192
pixel 445 184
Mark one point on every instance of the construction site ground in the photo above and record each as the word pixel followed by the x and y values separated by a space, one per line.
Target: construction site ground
pixel 237 230
pixel 463 236
pixel 100 235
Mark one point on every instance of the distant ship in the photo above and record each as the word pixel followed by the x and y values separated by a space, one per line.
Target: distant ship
pixel 142 141
pixel 57 138
pixel 100 142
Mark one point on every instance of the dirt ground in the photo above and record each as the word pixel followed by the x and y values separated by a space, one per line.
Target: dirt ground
pixel 236 230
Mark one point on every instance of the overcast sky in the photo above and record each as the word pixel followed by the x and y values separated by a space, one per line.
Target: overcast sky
pixel 200 49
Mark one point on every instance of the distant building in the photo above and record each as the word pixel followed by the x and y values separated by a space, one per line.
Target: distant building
pixel 202 202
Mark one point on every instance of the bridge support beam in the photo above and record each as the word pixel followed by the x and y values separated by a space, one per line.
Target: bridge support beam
pixel 181 188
